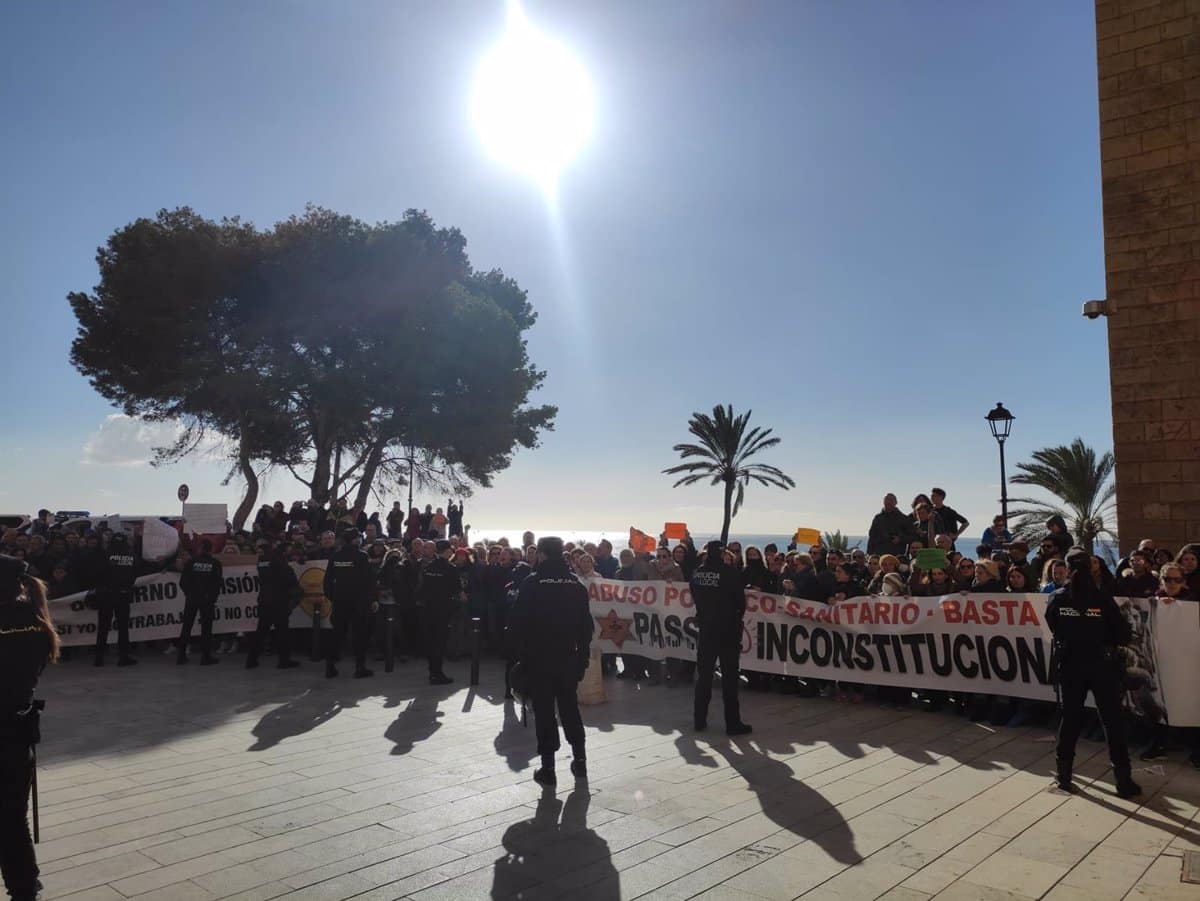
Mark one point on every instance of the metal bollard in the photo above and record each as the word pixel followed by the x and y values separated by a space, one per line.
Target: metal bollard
pixel 476 647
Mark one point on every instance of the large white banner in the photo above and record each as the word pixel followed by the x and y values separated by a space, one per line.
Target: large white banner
pixel 157 608
pixel 980 643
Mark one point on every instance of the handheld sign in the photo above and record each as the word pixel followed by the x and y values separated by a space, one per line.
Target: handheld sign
pixel 931 558
pixel 675 531
pixel 206 519
pixel 640 542
pixel 183 492
pixel 807 536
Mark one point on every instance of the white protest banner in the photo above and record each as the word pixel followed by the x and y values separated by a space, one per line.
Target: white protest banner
pixel 159 540
pixel 157 608
pixel 978 643
pixel 206 519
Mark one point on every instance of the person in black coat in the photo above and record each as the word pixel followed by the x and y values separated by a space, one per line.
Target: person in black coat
pixel 550 633
pixel 278 592
pixel 437 594
pixel 200 582
pixel 114 595
pixel 719 594
pixel 1088 631
pixel 349 585
pixel 28 641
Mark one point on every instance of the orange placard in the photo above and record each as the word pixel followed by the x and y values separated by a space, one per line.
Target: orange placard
pixel 675 531
pixel 640 542
pixel 807 536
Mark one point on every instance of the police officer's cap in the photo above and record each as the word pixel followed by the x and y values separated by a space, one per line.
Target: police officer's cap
pixel 714 549
pixel 1079 560
pixel 442 545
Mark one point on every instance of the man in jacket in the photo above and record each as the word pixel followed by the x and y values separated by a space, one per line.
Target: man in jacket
pixel 278 592
pixel 349 585
pixel 438 593
pixel 720 600
pixel 200 582
pixel 550 632
pixel 891 530
pixel 114 595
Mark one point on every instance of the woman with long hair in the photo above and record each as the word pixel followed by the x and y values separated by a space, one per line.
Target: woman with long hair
pixel 28 641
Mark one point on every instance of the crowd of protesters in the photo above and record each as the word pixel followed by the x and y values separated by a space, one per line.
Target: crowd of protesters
pixel 402 544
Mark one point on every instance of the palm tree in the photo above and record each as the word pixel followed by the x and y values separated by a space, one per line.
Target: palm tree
pixel 724 449
pixel 836 541
pixel 1082 486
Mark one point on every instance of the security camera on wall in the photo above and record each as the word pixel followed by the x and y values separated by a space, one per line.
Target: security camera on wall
pixel 1094 309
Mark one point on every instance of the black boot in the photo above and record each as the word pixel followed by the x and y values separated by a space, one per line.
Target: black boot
pixel 287 663
pixel 1126 787
pixel 1064 775
pixel 251 662
pixel 330 670
pixel 544 775
pixel 579 763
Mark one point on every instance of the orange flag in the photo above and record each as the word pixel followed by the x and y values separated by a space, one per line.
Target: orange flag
pixel 640 542
pixel 675 531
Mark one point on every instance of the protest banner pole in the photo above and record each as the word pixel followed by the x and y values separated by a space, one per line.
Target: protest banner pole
pixel 476 650
pixel 316 633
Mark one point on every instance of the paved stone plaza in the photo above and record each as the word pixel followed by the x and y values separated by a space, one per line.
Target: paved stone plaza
pixel 197 783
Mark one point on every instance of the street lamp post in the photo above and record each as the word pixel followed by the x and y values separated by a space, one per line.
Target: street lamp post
pixel 1000 421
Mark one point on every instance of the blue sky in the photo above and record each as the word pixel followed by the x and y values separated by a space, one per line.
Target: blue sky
pixel 867 221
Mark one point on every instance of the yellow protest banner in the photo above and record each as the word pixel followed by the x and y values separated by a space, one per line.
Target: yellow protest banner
pixel 807 536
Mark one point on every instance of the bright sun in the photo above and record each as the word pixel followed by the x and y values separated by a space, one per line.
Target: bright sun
pixel 532 102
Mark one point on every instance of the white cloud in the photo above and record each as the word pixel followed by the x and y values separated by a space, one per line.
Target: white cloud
pixel 127 441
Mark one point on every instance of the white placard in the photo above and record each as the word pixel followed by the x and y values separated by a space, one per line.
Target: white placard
pixel 206 519
pixel 159 540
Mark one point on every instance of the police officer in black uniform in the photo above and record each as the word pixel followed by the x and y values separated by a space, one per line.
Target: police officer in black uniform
pixel 278 592
pixel 350 585
pixel 550 633
pixel 114 595
pixel 201 582
pixel 28 642
pixel 438 593
pixel 1088 629
pixel 720 599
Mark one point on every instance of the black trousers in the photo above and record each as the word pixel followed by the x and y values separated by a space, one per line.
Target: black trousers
pixel 271 615
pixel 720 641
pixel 437 631
pixel 17 860
pixel 206 609
pixel 1105 686
pixel 547 691
pixel 113 606
pixel 356 619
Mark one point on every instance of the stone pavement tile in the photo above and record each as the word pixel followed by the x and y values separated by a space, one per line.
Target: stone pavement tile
pixel 1064 850
pixel 792 873
pixel 161 877
pixel 1107 873
pixel 98 893
pixel 179 891
pixel 969 891
pixel 900 893
pixel 98 873
pixel 727 893
pixel 188 847
pixel 348 885
pixel 869 879
pixel 950 866
pixel 1161 883
pixel 1020 875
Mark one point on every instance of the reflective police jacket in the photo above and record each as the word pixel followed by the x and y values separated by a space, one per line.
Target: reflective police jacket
pixel 550 625
pixel 718 593
pixel 201 579
pixel 1086 630
pixel 440 584
pixel 349 578
pixel 277 582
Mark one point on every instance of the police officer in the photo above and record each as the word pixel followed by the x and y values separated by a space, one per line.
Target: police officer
pixel 438 593
pixel 720 600
pixel 550 633
pixel 278 592
pixel 1088 629
pixel 114 594
pixel 349 584
pixel 28 641
pixel 200 582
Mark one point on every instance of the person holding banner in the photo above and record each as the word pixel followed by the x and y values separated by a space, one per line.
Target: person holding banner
pixel 720 600
pixel 28 641
pixel 1089 630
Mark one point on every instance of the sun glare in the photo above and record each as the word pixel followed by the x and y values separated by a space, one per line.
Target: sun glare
pixel 532 102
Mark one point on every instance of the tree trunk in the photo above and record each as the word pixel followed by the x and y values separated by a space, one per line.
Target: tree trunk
pixel 251 497
pixel 320 478
pixel 728 513
pixel 370 468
